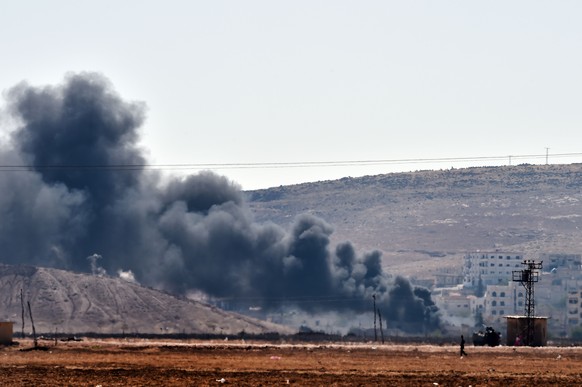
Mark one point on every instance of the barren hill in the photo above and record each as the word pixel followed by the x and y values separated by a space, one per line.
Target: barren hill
pixel 426 220
pixel 77 303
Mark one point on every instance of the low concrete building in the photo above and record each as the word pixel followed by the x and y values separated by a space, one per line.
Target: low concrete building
pixel 517 325
pixel 6 332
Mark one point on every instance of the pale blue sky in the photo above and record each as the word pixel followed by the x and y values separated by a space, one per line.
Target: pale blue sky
pixel 274 81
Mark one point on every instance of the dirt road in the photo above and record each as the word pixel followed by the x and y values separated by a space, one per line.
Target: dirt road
pixel 155 363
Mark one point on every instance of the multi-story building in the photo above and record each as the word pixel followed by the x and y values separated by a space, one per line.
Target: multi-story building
pixel 488 276
pixel 453 304
pixel 482 269
pixel 477 305
pixel 503 300
pixel 554 261
pixel 573 315
pixel 443 280
pixel 573 311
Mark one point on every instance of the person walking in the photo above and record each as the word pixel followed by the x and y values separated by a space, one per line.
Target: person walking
pixel 463 353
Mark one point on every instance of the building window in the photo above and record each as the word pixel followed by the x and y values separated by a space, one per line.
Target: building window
pixel 494 294
pixel 494 312
pixel 502 294
pixel 493 303
pixel 500 312
pixel 502 303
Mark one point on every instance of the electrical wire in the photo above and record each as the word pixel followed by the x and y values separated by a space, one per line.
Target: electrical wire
pixel 268 165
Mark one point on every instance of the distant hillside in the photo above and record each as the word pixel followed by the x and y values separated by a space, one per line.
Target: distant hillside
pixel 76 303
pixel 426 220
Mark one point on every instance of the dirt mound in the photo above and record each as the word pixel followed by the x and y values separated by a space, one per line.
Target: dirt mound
pixel 75 303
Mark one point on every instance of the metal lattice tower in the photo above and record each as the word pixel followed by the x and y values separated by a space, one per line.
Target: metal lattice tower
pixel 527 277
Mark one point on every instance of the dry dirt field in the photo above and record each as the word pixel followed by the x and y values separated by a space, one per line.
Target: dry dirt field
pixel 212 363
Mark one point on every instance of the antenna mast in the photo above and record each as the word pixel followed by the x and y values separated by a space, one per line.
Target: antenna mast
pixel 527 277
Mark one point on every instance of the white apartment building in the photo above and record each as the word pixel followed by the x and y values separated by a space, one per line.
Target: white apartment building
pixel 476 304
pixel 562 261
pixel 490 268
pixel 573 311
pixel 453 304
pixel 503 300
pixel 573 303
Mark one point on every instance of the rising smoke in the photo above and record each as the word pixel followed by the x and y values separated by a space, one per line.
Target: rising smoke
pixel 193 234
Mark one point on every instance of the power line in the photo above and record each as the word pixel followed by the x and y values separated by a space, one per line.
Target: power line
pixel 268 165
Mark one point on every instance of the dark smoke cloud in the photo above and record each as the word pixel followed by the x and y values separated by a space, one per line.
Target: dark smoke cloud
pixel 191 234
pixel 82 122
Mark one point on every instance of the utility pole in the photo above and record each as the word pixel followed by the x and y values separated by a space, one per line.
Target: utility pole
pixel 381 330
pixel 32 322
pixel 22 309
pixel 375 333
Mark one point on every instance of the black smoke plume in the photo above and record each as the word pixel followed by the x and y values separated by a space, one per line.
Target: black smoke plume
pixel 79 198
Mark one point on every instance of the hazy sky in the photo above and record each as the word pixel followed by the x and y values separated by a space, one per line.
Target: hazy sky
pixel 296 81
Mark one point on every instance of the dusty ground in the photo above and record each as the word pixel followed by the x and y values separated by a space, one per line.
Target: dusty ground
pixel 154 363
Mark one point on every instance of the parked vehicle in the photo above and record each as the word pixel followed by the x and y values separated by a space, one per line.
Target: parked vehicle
pixel 490 337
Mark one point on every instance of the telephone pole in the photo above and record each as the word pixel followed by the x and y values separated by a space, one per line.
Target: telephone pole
pixel 375 333
pixel 381 330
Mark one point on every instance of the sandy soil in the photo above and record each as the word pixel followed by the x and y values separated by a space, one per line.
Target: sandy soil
pixel 154 363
